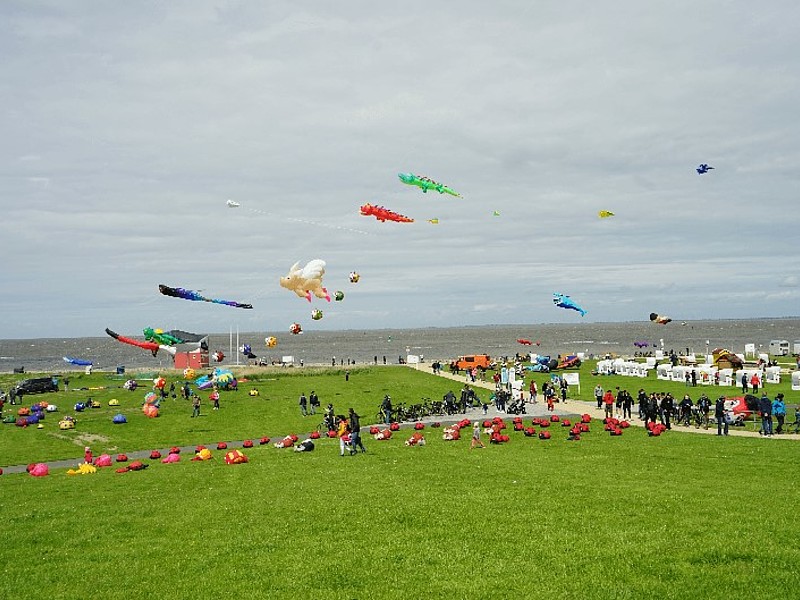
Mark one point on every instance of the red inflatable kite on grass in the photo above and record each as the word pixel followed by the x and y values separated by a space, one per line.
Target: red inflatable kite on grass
pixel 383 214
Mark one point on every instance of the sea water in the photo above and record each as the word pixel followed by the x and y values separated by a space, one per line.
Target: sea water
pixel 434 343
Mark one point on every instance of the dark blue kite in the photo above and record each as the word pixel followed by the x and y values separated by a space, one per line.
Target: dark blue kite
pixel 703 168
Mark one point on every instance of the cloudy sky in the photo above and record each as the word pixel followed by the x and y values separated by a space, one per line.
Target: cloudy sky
pixel 127 125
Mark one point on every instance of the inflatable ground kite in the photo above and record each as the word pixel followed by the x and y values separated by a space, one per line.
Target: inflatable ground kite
pixel 235 457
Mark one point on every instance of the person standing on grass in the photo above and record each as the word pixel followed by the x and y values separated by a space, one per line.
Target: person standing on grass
pixel 476 436
pixel 195 406
pixel 355 432
pixel 313 401
pixel 765 410
pixel 608 402
pixel 533 391
pixel 343 434
pixel 719 414
pixel 667 406
pixel 744 383
pixel 598 395
pixel 386 408
pixel 755 381
pixel 779 410
pixel 651 411
pixel 627 405
pixel 303 402
pixel 642 398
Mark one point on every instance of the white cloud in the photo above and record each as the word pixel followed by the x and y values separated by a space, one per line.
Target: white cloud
pixel 122 143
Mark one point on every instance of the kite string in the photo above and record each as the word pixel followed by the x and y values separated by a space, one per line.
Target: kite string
pixel 308 222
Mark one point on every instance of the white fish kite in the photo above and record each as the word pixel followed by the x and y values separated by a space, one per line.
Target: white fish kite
pixel 307 281
pixel 232 204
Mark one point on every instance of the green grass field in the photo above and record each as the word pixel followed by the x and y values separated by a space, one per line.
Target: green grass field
pixel 679 516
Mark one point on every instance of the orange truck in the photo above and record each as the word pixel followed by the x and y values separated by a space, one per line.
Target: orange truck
pixel 481 361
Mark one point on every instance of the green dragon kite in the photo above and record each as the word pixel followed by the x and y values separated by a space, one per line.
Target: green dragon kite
pixel 426 183
pixel 161 337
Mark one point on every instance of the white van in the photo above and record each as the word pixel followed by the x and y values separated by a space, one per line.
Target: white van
pixel 779 347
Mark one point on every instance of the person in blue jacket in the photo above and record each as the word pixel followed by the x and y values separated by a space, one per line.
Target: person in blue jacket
pixel 779 410
pixel 765 410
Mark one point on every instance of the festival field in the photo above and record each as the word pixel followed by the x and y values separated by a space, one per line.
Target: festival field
pixel 679 516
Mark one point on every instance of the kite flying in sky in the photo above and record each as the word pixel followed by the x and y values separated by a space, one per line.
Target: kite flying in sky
pixel 192 295
pixel 426 183
pixel 152 346
pixel 703 168
pixel 660 319
pixel 564 301
pixel 232 204
pixel 604 214
pixel 306 281
pixel 383 214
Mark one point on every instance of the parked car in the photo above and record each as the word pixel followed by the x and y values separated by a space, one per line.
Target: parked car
pixel 37 385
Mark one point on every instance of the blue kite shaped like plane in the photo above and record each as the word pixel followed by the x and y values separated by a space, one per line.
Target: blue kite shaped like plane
pixel 564 301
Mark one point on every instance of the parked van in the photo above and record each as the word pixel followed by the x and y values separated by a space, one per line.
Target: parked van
pixel 481 361
pixel 779 347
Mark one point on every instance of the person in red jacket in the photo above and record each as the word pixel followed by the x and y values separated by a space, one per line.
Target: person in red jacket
pixel 608 403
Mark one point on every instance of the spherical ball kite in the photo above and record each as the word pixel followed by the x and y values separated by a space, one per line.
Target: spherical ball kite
pixel 354 277
pixel 189 373
pixel 338 296
pixel 295 329
pixel 218 356
pixel 159 382
pixel 271 341
pixel 316 314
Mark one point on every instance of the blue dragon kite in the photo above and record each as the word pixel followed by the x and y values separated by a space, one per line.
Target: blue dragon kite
pixel 564 301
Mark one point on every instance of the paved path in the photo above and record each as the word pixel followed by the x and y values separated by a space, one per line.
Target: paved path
pixel 579 407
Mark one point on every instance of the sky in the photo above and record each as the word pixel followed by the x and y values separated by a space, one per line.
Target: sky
pixel 126 126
